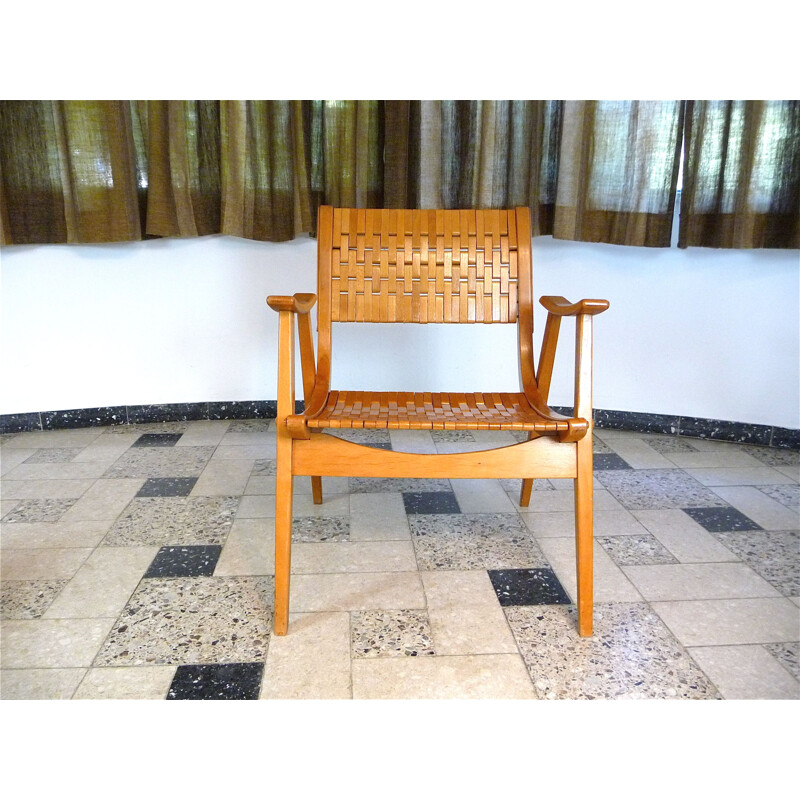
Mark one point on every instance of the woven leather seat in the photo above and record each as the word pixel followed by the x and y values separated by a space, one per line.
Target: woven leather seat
pixel 428 267
pixel 434 411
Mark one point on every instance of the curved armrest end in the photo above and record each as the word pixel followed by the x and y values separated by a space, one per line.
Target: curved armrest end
pixel 300 303
pixel 561 307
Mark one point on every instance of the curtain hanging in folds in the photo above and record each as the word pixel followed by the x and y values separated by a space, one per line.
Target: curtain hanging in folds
pixel 471 154
pixel 741 179
pixel 106 171
pixel 597 171
pixel 618 171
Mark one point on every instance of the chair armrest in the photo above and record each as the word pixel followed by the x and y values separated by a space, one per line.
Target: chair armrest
pixel 561 307
pixel 297 303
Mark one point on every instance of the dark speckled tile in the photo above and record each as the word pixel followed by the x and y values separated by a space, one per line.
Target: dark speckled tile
pixel 610 461
pixel 183 562
pixel 527 587
pixel 216 682
pixel 430 503
pixel 157 440
pixel 167 487
pixel 716 520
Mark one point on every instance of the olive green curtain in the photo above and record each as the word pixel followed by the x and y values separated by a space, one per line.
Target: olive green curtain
pixel 473 154
pixel 597 171
pixel 103 171
pixel 741 180
pixel 618 171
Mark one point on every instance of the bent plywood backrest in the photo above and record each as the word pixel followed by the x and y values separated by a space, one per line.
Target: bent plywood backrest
pixel 395 265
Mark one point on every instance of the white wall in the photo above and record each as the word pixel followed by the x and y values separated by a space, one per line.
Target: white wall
pixel 695 332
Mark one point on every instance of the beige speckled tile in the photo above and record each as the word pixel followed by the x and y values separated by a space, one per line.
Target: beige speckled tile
pixel 683 537
pixel 42 644
pixel 28 599
pixel 631 655
pixel 45 488
pixel 53 535
pixel 315 558
pixel 126 683
pixel 610 582
pixel 105 499
pixel 223 478
pixel 764 511
pixel 465 615
pixel 746 672
pixel 397 633
pixel 40 564
pixel 378 517
pixel 473 677
pixel 356 591
pixel 698 623
pixel 202 620
pixel 738 476
pixel 249 548
pixel 39 684
pixel 103 584
pixel 698 581
pixel 312 662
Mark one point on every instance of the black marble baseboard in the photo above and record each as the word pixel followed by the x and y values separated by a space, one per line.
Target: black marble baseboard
pixel 665 424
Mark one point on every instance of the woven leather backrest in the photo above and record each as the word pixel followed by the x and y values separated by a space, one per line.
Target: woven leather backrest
pixel 394 265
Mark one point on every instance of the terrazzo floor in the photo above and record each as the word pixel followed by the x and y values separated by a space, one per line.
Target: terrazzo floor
pixel 137 563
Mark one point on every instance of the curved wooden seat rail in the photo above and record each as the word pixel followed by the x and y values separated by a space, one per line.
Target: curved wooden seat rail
pixel 430 266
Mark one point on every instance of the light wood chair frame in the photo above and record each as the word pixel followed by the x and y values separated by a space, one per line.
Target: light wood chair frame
pixel 556 447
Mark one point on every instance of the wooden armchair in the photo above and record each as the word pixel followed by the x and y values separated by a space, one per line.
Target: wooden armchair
pixel 428 267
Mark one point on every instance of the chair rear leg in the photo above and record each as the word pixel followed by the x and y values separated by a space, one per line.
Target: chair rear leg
pixel 316 489
pixel 283 536
pixel 527 486
pixel 584 534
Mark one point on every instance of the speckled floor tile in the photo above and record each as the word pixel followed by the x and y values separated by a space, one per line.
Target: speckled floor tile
pixel 788 495
pixel 28 599
pixel 514 485
pixel 774 555
pixel 182 562
pixel 721 519
pixel 39 684
pixel 167 487
pixel 361 436
pixel 390 633
pixel 464 677
pixel 452 436
pixel 473 541
pixel 192 621
pixel 126 683
pixel 788 654
pixel 320 529
pixel 609 461
pixel 174 521
pixel 157 440
pixel 44 510
pixel 669 444
pixel 149 427
pixel 216 682
pixel 358 485
pixel 631 655
pixel 160 462
pixel 430 503
pixel 251 426
pixel 265 467
pixel 657 488
pixel 773 456
pixel 527 587
pixel 56 455
pixel 636 549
